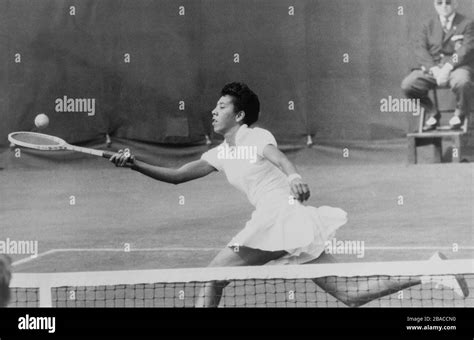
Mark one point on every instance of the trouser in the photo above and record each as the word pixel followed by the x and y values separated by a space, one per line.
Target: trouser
pixel 417 84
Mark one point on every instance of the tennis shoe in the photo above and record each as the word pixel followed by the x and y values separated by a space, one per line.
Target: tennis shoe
pixel 455 282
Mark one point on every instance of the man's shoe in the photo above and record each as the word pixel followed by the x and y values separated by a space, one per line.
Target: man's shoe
pixel 456 122
pixel 431 124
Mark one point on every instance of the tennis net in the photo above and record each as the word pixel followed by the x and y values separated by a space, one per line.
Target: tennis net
pixel 402 284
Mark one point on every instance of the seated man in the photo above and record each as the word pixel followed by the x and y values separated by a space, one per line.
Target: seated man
pixel 445 54
pixel 5 276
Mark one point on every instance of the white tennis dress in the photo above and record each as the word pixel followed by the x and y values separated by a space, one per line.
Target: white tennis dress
pixel 278 222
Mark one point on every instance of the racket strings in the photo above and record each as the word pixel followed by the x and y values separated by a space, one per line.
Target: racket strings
pixel 34 139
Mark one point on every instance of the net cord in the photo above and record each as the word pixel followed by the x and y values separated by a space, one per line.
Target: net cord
pixel 97 278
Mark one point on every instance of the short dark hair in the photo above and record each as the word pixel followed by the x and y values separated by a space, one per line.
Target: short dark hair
pixel 244 99
pixel 5 277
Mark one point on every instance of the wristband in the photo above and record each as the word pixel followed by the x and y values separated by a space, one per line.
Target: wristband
pixel 293 176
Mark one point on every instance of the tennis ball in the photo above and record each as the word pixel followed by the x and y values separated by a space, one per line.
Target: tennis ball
pixel 41 121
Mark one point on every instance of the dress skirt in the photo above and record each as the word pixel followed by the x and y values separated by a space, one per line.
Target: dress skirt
pixel 302 231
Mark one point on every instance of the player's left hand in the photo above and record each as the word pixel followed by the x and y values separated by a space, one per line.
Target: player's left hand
pixel 300 190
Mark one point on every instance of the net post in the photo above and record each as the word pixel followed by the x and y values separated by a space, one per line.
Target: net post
pixel 45 296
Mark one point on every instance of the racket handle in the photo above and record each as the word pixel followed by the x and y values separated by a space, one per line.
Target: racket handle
pixel 107 154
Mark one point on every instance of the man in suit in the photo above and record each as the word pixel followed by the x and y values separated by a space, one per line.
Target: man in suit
pixel 445 56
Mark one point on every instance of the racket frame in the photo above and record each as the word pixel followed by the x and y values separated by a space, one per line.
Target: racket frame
pixel 63 145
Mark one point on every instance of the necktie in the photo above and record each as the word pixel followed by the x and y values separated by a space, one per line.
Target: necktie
pixel 445 24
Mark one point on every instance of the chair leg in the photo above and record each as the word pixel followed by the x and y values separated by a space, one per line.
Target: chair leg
pixel 435 98
pixel 456 151
pixel 421 121
pixel 466 124
pixel 411 150
pixel 438 149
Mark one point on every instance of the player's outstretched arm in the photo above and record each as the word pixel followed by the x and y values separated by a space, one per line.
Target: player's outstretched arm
pixel 187 172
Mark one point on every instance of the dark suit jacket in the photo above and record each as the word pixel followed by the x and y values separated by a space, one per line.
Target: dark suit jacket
pixel 434 47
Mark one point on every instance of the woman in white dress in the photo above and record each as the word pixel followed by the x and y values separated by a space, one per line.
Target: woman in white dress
pixel 281 229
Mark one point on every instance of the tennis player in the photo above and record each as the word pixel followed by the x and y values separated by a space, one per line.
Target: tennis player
pixel 5 277
pixel 281 230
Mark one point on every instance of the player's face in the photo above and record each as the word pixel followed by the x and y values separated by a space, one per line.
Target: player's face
pixel 445 7
pixel 223 115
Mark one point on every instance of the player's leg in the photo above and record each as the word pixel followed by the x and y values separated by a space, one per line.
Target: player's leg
pixel 211 292
pixel 356 292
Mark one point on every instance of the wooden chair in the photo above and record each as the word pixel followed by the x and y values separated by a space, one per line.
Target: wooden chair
pixel 437 136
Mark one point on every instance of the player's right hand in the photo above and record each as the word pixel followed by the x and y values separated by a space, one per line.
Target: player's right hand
pixel 122 159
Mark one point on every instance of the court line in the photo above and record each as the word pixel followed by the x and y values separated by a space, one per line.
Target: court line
pixel 122 250
pixel 419 248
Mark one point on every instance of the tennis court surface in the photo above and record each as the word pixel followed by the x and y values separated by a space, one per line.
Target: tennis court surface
pixel 168 227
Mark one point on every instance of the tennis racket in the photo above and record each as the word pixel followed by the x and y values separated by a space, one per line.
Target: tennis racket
pixel 40 141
